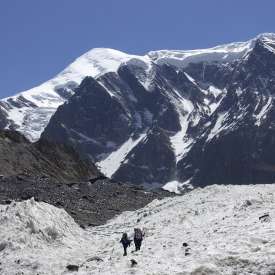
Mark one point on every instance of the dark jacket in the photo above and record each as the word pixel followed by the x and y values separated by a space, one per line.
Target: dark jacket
pixel 138 234
pixel 125 241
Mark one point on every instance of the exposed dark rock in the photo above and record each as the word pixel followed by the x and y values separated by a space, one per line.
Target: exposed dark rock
pixel 3 245
pixel 101 177
pixel 42 159
pixel 187 251
pixel 265 218
pixel 72 267
pixel 150 161
pixel 89 204
pixel 133 262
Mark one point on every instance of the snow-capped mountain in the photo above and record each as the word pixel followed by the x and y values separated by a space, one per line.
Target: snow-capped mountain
pixel 179 118
pixel 174 118
pixel 30 111
pixel 214 230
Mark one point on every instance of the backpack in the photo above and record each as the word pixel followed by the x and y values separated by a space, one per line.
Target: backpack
pixel 138 234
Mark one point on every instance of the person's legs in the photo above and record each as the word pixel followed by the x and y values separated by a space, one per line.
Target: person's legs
pixel 125 250
pixel 139 244
pixel 136 244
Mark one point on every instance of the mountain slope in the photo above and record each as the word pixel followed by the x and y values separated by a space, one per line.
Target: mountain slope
pixel 30 111
pixel 42 159
pixel 189 118
pixel 174 118
pixel 220 226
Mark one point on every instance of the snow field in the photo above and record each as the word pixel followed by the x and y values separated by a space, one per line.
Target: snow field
pixel 220 225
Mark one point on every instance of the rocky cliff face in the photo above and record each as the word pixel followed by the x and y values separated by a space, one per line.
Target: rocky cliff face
pixel 197 123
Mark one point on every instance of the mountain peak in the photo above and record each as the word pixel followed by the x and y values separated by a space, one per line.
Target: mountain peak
pixel 98 61
pixel 266 36
pixel 30 111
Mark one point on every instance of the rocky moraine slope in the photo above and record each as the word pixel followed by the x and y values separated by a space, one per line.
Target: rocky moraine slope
pixel 57 175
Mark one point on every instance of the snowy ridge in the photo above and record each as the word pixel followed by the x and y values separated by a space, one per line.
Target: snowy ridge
pixel 39 103
pixel 219 224
pixel 223 53
pixel 94 63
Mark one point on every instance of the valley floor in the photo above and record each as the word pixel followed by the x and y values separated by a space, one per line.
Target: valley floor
pixel 220 225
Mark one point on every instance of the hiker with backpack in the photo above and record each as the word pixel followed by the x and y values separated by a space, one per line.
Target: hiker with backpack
pixel 138 237
pixel 125 243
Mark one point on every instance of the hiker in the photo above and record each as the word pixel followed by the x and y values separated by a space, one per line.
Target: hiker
pixel 138 237
pixel 125 242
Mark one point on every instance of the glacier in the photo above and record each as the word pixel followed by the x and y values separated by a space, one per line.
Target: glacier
pixel 219 225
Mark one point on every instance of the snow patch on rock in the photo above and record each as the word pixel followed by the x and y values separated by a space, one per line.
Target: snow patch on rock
pixel 111 163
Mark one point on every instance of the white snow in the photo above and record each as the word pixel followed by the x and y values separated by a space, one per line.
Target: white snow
pixel 111 163
pixel 179 141
pixel 219 126
pixel 222 53
pixel 215 91
pixel 216 103
pixel 220 225
pixel 38 239
pixel 191 79
pixel 269 42
pixel 263 111
pixel 239 91
pixel 177 187
pixel 94 63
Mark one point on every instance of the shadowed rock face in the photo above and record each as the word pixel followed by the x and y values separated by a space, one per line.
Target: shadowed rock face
pixel 209 122
pixel 158 169
pixel 243 150
pixel 57 162
pixel 105 113
pixel 87 123
pixel 3 120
